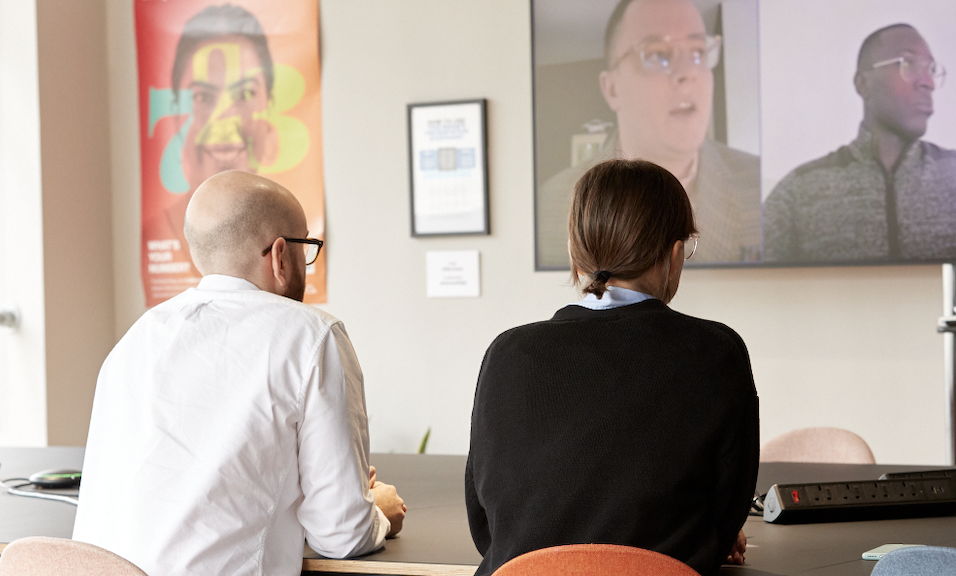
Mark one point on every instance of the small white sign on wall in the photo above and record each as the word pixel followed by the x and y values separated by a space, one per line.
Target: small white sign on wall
pixel 452 274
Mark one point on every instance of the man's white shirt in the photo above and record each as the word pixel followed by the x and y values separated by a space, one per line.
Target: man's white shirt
pixel 228 424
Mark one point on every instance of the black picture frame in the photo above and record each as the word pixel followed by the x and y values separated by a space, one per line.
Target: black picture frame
pixel 448 168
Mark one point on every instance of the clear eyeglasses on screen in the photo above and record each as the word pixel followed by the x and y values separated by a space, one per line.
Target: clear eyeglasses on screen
pixel 662 56
pixel 912 68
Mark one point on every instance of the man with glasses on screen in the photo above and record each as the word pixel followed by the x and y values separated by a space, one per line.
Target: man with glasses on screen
pixel 229 423
pixel 659 83
pixel 886 196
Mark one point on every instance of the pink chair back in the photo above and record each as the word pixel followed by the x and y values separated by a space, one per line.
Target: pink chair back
pixel 42 556
pixel 829 445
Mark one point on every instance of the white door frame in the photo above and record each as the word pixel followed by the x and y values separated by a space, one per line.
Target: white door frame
pixel 23 412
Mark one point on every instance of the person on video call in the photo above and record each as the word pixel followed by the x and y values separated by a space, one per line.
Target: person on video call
pixel 887 195
pixel 619 420
pixel 659 82
pixel 229 423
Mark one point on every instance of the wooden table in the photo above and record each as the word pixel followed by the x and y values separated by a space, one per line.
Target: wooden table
pixel 434 539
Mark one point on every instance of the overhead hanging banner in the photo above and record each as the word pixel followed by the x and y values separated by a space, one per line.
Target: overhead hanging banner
pixel 225 87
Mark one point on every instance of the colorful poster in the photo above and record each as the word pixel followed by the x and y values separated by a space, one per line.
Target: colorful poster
pixel 225 87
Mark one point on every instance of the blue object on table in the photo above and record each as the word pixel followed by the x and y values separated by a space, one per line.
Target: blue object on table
pixel 922 560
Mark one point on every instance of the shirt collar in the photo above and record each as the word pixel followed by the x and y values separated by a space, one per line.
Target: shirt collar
pixel 865 148
pixel 614 297
pixel 612 149
pixel 223 282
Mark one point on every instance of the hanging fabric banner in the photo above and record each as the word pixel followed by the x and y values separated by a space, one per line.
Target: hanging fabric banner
pixel 225 87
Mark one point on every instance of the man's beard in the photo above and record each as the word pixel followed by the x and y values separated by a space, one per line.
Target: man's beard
pixel 296 287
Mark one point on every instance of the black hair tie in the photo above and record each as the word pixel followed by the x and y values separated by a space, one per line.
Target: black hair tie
pixel 602 276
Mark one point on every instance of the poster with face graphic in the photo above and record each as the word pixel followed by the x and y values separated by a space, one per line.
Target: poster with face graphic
pixel 225 86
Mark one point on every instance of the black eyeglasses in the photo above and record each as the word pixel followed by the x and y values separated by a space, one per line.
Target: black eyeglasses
pixel 311 246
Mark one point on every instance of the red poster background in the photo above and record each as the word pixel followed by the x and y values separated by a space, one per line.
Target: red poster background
pixel 292 31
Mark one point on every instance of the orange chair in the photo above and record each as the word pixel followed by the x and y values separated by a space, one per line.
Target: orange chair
pixel 594 560
pixel 42 556
pixel 829 445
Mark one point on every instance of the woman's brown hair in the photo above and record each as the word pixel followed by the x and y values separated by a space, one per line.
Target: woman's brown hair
pixel 625 217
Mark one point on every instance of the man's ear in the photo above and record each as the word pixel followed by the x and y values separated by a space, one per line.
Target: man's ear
pixel 280 269
pixel 861 84
pixel 608 82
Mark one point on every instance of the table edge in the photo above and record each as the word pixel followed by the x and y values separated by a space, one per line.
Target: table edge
pixel 379 567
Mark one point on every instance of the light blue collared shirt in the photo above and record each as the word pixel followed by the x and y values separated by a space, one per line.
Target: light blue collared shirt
pixel 614 297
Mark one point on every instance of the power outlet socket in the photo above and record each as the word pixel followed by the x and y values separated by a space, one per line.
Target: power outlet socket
pixel 864 500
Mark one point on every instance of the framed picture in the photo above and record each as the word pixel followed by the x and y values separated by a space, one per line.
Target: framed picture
pixel 448 168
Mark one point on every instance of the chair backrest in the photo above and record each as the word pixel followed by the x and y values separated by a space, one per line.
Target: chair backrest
pixel 922 560
pixel 594 560
pixel 829 445
pixel 42 556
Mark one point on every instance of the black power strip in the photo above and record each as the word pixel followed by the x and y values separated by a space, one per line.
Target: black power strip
pixel 917 497
pixel 951 472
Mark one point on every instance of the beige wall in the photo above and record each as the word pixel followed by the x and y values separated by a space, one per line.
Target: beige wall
pixel 77 213
pixel 125 165
pixel 850 347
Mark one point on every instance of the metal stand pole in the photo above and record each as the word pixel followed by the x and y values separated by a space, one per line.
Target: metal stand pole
pixel 947 325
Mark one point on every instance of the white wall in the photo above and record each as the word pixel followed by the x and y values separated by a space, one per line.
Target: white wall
pixel 850 347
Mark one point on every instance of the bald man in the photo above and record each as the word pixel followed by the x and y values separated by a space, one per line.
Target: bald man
pixel 887 196
pixel 229 423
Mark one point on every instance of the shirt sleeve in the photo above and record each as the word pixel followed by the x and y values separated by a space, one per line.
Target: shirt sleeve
pixel 738 460
pixel 477 516
pixel 338 510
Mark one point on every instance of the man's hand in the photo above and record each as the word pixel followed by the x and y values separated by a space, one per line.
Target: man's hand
pixel 389 502
pixel 738 550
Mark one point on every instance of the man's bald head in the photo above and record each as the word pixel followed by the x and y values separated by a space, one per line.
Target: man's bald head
pixel 615 22
pixel 867 57
pixel 232 216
